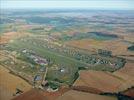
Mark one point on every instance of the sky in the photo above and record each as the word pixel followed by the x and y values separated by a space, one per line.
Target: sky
pixel 86 4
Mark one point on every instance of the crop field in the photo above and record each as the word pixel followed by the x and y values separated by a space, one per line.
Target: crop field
pixel 77 95
pixel 81 51
pixel 9 89
pixel 118 47
pixel 104 81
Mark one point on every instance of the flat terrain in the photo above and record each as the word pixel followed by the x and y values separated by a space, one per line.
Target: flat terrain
pixel 105 81
pixel 128 69
pixel 33 94
pixel 126 74
pixel 9 36
pixel 55 95
pixel 80 50
pixel 9 83
pixel 129 92
pixel 75 95
pixel 118 47
pixel 100 80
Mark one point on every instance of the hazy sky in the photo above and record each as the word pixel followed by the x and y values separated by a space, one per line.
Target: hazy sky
pixel 90 4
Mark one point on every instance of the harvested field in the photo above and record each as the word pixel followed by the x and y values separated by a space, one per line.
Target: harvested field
pixel 129 37
pixel 126 73
pixel 5 94
pixel 9 83
pixel 118 47
pixel 86 89
pixel 7 37
pixel 55 95
pixel 75 95
pixel 128 69
pixel 36 94
pixel 103 81
pixel 33 94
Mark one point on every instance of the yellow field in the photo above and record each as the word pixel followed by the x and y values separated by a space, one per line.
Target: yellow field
pixel 9 83
pixel 116 46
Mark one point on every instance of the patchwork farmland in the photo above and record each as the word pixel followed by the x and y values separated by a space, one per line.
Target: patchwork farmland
pixel 64 55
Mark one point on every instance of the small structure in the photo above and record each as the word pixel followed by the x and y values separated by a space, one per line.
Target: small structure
pixel 62 70
pixel 42 69
pixel 37 81
pixel 104 52
pixel 24 51
pixel 37 78
pixel 37 59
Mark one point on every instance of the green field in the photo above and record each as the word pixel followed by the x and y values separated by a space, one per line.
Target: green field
pixel 70 64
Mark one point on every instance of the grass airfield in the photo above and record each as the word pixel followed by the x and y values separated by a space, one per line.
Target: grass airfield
pixel 69 44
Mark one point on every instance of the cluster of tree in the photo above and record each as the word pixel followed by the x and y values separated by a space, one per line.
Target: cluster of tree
pixel 120 62
pixel 131 48
pixel 87 58
pixel 119 96
pixel 53 85
pixel 84 57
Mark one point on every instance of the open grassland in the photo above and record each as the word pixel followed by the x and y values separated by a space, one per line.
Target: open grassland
pixel 52 73
pixel 69 63
pixel 61 60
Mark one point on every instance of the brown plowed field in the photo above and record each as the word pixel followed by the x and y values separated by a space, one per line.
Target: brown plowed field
pixel 75 95
pixel 106 81
pixel 55 95
pixel 127 74
pixel 9 83
pixel 33 94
